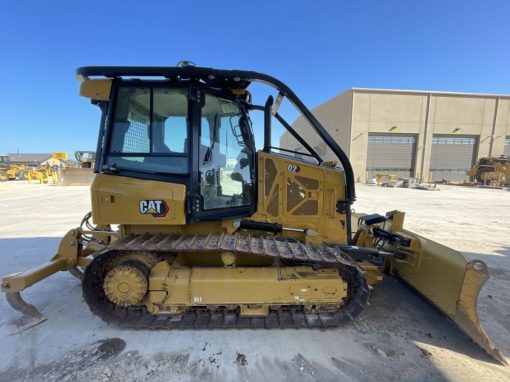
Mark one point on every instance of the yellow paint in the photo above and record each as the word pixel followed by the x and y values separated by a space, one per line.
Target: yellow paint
pixel 322 186
pixel 252 289
pixel 116 200
pixel 60 156
pixel 96 89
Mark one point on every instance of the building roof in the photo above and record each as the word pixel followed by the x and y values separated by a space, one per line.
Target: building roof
pixel 408 91
pixel 378 90
pixel 28 158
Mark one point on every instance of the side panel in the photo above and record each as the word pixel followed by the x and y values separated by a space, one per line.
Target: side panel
pixel 301 195
pixel 123 200
pixel 173 288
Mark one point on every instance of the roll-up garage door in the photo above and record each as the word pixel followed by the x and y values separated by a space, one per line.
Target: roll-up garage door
pixel 391 154
pixel 451 157
pixel 507 146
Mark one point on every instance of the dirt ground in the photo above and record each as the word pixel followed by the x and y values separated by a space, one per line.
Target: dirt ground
pixel 398 337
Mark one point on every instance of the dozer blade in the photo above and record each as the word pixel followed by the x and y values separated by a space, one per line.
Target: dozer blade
pixel 450 281
pixel 76 177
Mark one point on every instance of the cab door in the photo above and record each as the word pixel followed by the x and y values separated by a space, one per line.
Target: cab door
pixel 225 169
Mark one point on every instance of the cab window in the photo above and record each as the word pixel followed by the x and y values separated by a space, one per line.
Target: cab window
pixel 150 130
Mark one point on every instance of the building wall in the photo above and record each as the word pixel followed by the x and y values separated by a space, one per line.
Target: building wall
pixel 30 159
pixel 502 131
pixel 425 115
pixel 335 115
pixel 386 114
pixel 351 116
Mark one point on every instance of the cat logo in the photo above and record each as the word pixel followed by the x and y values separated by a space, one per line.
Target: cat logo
pixel 156 208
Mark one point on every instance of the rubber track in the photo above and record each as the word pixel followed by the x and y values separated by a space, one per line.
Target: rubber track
pixel 323 256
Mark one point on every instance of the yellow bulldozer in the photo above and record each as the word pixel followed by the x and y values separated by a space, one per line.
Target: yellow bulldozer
pixel 82 174
pixel 214 233
pixel 491 171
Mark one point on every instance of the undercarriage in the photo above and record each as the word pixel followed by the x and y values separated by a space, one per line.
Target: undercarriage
pixel 300 285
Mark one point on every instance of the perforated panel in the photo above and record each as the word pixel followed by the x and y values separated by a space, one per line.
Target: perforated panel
pixel 271 187
pixel 311 184
pixel 136 139
pixel 302 194
pixel 270 175
pixel 295 194
pixel 272 207
pixel 310 207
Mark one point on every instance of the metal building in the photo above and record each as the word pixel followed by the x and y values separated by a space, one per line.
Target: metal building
pixel 424 134
pixel 28 159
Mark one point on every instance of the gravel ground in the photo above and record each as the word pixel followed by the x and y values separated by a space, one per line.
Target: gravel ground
pixel 398 337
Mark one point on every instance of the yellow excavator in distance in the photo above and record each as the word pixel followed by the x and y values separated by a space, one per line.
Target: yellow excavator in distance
pixel 213 233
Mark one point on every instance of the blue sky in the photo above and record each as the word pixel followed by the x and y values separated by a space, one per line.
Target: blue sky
pixel 319 48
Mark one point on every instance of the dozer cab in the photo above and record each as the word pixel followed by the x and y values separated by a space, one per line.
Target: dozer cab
pixel 491 171
pixel 213 233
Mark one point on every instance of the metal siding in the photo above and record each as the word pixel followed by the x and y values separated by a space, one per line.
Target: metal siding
pixel 390 154
pixel 451 157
